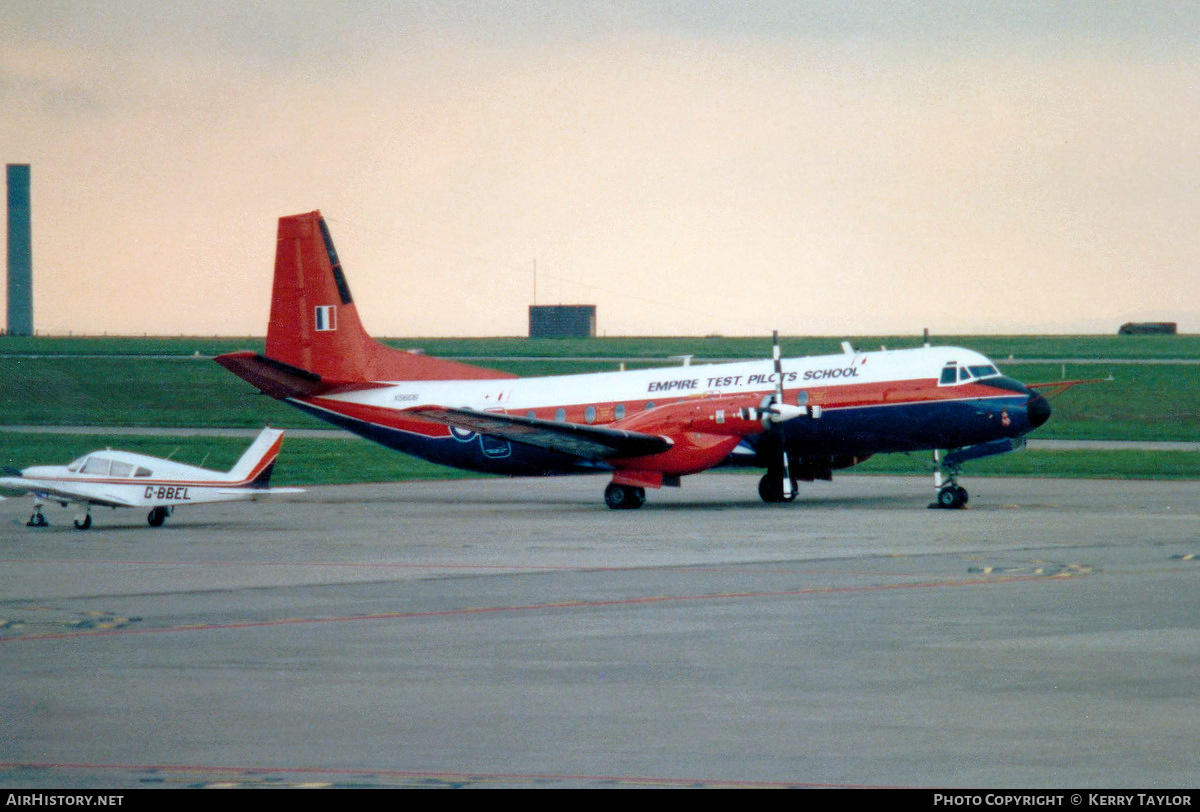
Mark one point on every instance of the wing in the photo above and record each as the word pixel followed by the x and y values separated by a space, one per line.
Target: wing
pixel 588 442
pixel 47 491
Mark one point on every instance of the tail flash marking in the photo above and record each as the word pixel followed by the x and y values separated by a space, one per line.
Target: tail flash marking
pixel 325 318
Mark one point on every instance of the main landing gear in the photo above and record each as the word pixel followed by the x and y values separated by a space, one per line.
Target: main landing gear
pixel 84 521
pixel 37 519
pixel 624 497
pixel 156 517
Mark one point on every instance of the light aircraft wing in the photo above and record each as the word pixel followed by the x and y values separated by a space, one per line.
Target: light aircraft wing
pixel 40 488
pixel 588 442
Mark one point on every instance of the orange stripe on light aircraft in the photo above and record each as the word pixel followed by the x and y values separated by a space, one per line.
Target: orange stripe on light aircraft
pixel 797 418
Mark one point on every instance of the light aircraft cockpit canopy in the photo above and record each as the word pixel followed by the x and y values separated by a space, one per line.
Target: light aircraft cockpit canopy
pixel 97 465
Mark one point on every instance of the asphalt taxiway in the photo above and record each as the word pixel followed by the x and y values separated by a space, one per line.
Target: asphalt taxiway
pixel 517 633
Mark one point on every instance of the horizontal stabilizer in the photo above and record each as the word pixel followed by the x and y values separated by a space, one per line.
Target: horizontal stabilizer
pixel 280 380
pixel 588 442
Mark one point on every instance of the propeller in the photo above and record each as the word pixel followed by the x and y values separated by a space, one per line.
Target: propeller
pixel 777 409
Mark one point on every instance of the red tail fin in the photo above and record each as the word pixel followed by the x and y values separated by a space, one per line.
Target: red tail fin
pixel 314 324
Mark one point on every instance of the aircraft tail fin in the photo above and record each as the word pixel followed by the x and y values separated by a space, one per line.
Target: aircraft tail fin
pixel 254 468
pixel 314 323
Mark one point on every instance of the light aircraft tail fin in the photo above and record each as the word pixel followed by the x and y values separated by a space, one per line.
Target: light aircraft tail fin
pixel 314 323
pixel 254 468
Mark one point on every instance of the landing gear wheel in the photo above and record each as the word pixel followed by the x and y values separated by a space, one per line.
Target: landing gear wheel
pixel 84 522
pixel 952 497
pixel 157 516
pixel 770 489
pixel 624 497
pixel 37 520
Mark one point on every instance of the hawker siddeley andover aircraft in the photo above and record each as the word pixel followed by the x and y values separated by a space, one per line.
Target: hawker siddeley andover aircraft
pixel 799 418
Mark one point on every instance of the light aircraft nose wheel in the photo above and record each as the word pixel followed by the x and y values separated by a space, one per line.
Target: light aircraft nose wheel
pixel 624 497
pixel 37 520
pixel 952 497
pixel 157 516
pixel 83 522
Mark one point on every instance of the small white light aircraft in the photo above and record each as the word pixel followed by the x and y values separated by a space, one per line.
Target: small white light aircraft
pixel 122 479
pixel 799 418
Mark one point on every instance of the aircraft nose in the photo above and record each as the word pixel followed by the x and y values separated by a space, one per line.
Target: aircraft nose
pixel 1037 408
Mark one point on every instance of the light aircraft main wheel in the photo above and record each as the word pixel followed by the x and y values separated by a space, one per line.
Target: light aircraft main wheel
pixel 84 523
pixel 157 516
pixel 624 497
pixel 952 497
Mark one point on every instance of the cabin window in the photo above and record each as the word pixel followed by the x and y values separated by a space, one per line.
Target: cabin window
pixel 802 398
pixel 95 465
pixel 561 415
pixel 619 412
pixel 649 405
pixel 143 472
pixel 531 413
pixel 122 469
pixel 589 414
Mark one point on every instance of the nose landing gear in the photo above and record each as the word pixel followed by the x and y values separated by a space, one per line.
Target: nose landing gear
pixel 950 495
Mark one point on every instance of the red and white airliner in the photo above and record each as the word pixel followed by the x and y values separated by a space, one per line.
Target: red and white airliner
pixel 799 418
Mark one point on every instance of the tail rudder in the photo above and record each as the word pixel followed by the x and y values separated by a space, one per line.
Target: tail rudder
pixel 253 468
pixel 314 323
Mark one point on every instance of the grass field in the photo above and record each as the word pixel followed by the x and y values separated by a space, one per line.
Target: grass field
pixel 170 382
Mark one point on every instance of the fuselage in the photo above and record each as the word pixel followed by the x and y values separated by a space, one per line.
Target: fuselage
pixel 857 404
pixel 124 479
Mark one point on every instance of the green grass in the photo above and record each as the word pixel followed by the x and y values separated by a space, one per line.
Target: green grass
pixel 306 461
pixel 99 382
pixel 303 461
pixel 1071 464
pixel 1143 402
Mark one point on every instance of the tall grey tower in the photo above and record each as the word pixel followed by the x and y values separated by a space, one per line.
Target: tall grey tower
pixel 20 252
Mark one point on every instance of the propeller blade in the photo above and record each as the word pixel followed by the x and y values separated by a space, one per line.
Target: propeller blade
pixel 776 356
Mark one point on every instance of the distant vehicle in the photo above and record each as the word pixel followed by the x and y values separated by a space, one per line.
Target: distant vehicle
pixel 122 479
pixel 799 418
pixel 1148 328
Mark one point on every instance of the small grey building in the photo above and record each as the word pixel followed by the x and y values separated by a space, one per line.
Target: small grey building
pixel 562 321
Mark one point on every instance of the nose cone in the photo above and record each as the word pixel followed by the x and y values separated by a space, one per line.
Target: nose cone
pixel 1038 409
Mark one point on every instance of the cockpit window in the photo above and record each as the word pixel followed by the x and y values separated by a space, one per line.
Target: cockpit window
pixel 123 469
pixel 143 472
pixel 953 373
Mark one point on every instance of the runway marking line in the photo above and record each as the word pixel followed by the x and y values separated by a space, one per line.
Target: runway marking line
pixel 239 774
pixel 534 607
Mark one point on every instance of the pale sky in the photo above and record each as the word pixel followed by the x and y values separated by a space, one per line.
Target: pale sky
pixel 820 168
